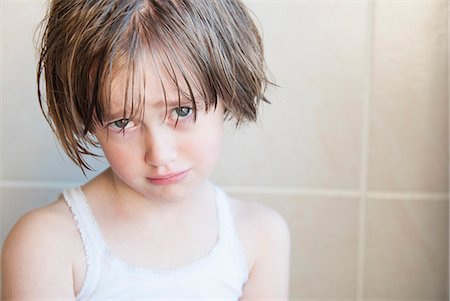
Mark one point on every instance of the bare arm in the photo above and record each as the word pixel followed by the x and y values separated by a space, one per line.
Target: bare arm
pixel 269 276
pixel 35 260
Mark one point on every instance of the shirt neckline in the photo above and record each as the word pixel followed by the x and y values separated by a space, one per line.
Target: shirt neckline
pixel 117 262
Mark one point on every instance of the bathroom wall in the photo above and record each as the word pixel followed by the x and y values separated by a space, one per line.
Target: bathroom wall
pixel 353 151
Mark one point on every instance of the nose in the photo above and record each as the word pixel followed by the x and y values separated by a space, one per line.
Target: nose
pixel 160 147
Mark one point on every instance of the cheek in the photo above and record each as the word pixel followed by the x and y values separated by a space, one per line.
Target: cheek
pixel 113 155
pixel 120 155
pixel 206 145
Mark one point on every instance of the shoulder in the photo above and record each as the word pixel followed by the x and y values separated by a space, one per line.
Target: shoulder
pixel 39 245
pixel 40 226
pixel 260 228
pixel 259 217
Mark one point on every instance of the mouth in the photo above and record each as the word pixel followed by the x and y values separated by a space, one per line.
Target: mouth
pixel 170 178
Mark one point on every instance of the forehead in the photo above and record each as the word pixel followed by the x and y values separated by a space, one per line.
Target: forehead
pixel 151 79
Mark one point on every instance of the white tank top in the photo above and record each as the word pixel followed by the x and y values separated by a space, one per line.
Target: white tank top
pixel 220 275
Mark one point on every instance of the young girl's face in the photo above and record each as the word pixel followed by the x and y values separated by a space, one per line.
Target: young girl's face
pixel 162 154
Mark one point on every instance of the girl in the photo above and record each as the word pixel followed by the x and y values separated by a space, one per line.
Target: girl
pixel 150 82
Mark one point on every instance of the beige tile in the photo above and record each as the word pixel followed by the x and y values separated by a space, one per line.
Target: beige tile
pixel 409 113
pixel 406 254
pixel 16 201
pixel 310 135
pixel 324 244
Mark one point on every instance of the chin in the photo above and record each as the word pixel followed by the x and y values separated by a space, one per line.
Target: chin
pixel 168 194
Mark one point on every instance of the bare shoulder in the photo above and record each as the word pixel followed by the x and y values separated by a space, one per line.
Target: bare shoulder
pixel 258 217
pixel 38 252
pixel 40 225
pixel 259 227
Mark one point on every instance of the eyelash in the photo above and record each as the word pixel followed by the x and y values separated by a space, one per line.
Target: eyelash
pixel 188 111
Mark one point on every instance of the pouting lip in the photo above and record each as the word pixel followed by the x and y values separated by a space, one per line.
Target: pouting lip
pixel 168 176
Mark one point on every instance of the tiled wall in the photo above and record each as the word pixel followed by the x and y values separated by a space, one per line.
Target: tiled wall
pixel 353 150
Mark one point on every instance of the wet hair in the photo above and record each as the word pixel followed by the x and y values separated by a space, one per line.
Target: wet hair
pixel 212 47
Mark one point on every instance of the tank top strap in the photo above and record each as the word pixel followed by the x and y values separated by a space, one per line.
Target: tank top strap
pixel 90 236
pixel 228 232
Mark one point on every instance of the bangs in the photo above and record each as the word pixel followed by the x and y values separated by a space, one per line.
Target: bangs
pixel 169 68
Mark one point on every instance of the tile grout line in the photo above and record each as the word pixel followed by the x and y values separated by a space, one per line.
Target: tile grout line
pixel 290 191
pixel 263 190
pixel 39 184
pixel 1 86
pixel 413 196
pixel 448 77
pixel 365 134
pixel 2 210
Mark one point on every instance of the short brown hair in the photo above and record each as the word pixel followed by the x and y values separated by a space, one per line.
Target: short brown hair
pixel 214 44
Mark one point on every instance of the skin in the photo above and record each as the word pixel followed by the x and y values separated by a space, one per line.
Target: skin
pixel 43 255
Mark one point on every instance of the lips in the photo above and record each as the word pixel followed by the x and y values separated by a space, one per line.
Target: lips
pixel 170 178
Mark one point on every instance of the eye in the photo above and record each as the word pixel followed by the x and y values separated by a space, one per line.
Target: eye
pixel 121 124
pixel 182 112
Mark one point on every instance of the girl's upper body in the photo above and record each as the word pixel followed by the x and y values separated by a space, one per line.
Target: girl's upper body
pixel 44 255
pixel 151 83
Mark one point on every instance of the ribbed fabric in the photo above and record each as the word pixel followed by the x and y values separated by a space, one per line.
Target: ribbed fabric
pixel 220 275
